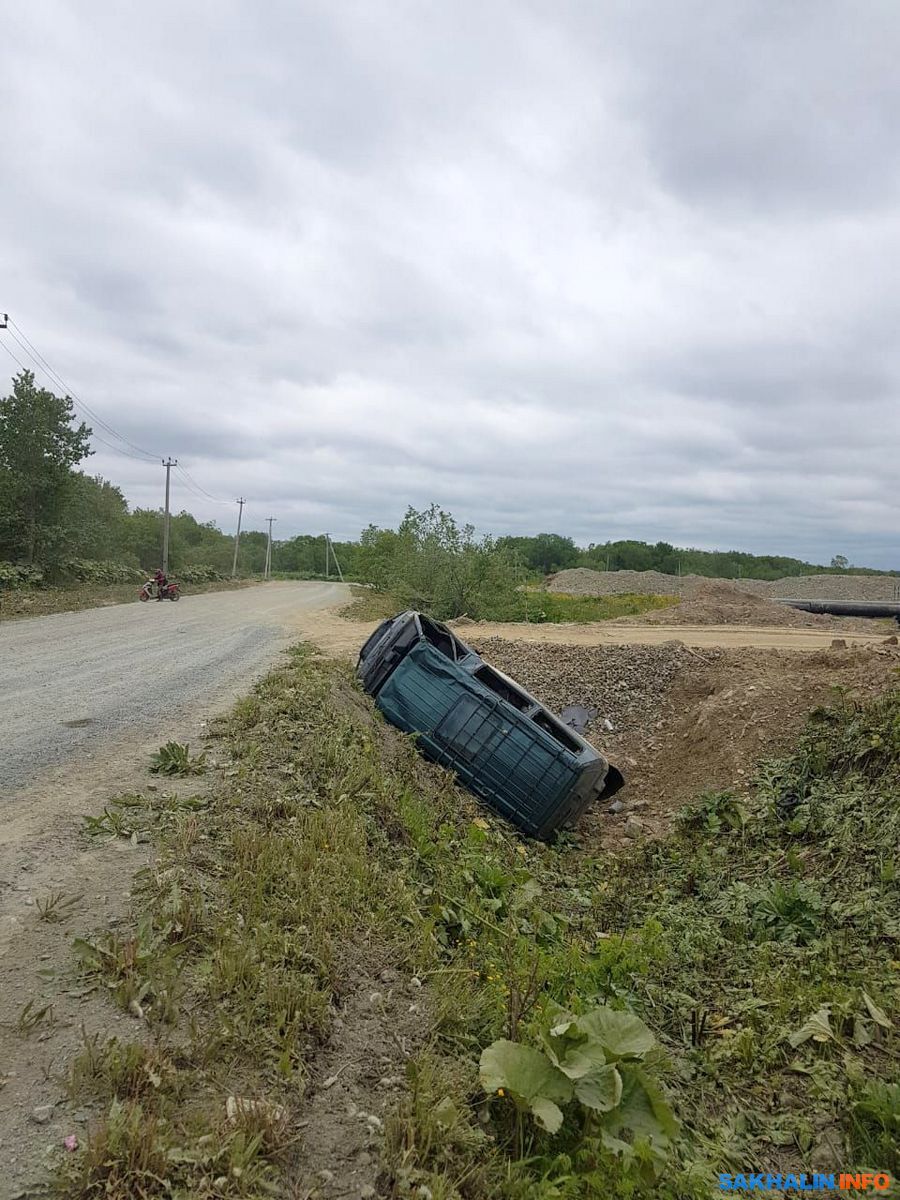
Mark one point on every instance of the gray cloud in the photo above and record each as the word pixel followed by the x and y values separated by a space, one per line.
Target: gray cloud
pixel 616 271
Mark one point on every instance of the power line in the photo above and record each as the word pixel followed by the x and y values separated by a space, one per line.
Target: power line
pixel 192 483
pixel 96 436
pixel 26 345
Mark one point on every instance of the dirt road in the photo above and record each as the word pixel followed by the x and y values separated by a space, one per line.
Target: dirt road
pixel 344 638
pixel 87 697
pixel 74 681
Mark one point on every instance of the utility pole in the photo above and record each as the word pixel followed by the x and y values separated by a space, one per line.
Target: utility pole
pixel 268 571
pixel 327 564
pixel 329 546
pixel 237 537
pixel 168 463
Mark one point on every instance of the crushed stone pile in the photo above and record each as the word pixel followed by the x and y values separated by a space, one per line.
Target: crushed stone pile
pixel 626 685
pixel 717 603
pixel 581 581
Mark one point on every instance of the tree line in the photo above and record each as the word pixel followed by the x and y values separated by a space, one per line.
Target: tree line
pixel 59 522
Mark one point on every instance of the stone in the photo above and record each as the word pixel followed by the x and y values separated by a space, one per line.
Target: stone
pixel 616 806
pixel 633 828
pixel 42 1114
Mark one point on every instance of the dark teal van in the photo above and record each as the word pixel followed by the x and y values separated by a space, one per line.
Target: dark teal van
pixel 504 745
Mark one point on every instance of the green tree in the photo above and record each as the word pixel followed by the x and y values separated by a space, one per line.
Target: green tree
pixel 94 521
pixel 39 445
pixel 434 564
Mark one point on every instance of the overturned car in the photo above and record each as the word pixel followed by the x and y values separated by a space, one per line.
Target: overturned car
pixel 503 744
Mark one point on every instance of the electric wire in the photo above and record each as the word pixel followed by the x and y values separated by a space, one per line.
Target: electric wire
pixel 94 435
pixel 28 347
pixel 192 483
pixel 134 452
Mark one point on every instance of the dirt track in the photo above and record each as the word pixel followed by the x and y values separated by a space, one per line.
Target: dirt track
pixel 344 638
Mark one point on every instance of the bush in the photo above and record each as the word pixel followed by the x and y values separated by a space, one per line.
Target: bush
pixel 198 574
pixel 80 570
pixel 14 575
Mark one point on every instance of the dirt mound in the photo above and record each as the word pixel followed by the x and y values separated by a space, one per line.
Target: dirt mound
pixel 715 602
pixel 580 581
pixel 625 685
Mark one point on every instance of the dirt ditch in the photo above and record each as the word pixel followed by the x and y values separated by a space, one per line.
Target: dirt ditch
pixel 683 722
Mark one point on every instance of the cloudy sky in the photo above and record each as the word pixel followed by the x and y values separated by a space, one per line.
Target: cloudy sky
pixel 611 269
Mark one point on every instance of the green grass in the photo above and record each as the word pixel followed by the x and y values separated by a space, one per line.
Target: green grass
pixel 532 604
pixel 556 607
pixel 329 848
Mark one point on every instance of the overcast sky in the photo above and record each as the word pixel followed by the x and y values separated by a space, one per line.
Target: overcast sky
pixel 611 269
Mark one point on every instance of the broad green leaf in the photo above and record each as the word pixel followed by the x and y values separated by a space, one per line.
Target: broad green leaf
pixel 523 1071
pixel 621 1034
pixel 818 1027
pixel 547 1114
pixel 878 1015
pixel 581 1059
pixel 643 1110
pixel 601 1090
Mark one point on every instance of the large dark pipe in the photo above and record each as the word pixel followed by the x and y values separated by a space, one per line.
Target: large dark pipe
pixel 847 608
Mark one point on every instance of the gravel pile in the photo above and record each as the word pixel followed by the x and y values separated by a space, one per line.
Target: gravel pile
pixel 826 587
pixel 718 603
pixel 626 685
pixel 581 581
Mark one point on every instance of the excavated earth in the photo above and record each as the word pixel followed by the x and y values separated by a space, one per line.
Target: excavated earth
pixel 581 581
pixel 684 722
pixel 711 602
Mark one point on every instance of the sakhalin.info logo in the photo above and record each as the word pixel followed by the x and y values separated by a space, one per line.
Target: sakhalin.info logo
pixel 845 1181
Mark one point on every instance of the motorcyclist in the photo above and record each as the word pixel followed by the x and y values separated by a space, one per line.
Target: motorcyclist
pixel 162 582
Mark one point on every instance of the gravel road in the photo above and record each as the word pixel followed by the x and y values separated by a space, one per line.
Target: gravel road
pixel 71 681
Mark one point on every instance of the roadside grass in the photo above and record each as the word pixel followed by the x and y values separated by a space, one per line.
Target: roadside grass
pixel 529 604
pixel 758 942
pixel 20 603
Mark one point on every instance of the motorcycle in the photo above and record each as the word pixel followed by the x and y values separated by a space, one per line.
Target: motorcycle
pixel 151 590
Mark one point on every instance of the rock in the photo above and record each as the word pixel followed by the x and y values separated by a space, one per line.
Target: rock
pixel 633 828
pixel 890 641
pixel 616 806
pixel 325 1175
pixel 638 805
pixel 42 1114
pixel 838 644
pixel 607 724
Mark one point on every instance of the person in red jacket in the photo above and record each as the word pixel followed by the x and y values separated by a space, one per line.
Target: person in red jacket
pixel 162 582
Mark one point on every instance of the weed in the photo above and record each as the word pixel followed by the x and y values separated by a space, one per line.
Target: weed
pixel 32 1016
pixel 174 758
pixel 56 906
pixel 141 971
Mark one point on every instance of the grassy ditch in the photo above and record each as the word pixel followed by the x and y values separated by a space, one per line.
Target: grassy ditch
pixel 735 987
pixel 533 605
